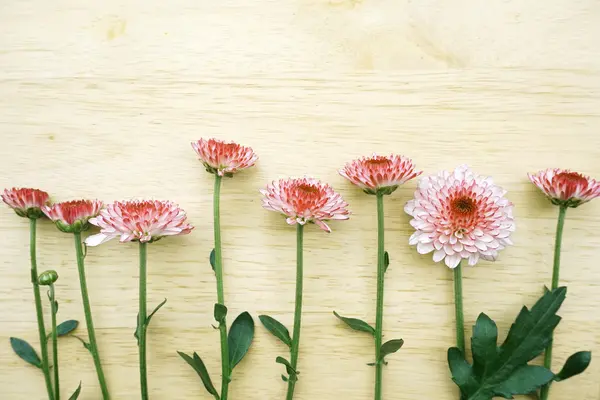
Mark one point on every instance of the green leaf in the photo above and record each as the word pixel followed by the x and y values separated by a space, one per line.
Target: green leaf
pixel 574 365
pixel 158 307
pixel 284 378
pixel 198 365
pixel 220 313
pixel 25 351
pixel 389 347
pixel 276 328
pixel 503 371
pixel 356 324
pixel 386 261
pixel 211 258
pixel 76 393
pixel 524 380
pixel 288 367
pixel 138 328
pixel 64 328
pixel 240 338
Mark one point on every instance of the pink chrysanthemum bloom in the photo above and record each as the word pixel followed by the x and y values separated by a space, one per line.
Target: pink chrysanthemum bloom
pixel 26 202
pixel 381 174
pixel 305 200
pixel 460 215
pixel 566 188
pixel 139 220
pixel 73 216
pixel 224 158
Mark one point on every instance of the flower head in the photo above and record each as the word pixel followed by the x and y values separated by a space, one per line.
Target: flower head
pixel 460 215
pixel 380 173
pixel 224 158
pixel 566 188
pixel 305 200
pixel 26 202
pixel 139 220
pixel 73 216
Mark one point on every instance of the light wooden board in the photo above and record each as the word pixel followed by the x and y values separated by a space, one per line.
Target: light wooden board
pixel 101 99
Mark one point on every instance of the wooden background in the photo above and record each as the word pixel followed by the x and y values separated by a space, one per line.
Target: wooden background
pixel 101 99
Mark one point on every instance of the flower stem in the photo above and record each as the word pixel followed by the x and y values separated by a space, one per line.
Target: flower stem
pixel 555 276
pixel 298 310
pixel 458 305
pixel 380 286
pixel 225 371
pixel 142 321
pixel 93 346
pixel 54 309
pixel 38 307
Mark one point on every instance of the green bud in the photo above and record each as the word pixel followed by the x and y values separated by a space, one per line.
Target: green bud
pixel 33 212
pixel 47 278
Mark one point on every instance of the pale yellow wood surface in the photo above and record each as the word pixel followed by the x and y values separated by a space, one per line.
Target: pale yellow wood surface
pixel 101 99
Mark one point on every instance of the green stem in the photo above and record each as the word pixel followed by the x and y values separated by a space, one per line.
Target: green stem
pixel 298 310
pixel 93 345
pixel 142 319
pixel 225 371
pixel 458 305
pixel 38 307
pixel 555 276
pixel 54 309
pixel 380 286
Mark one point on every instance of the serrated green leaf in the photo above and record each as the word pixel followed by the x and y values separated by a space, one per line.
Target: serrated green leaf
pixel 212 259
pixel 240 338
pixel 66 327
pixel 574 365
pixel 462 372
pixel 25 352
pixel 76 393
pixel 220 313
pixel 356 324
pixel 198 365
pixel 288 367
pixel 484 344
pixel 524 380
pixel 389 347
pixel 386 261
pixel 276 328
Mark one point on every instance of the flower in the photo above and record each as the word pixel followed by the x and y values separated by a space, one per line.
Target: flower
pixel 566 188
pixel 460 215
pixel 381 174
pixel 305 200
pixel 139 220
pixel 224 158
pixel 26 202
pixel 73 216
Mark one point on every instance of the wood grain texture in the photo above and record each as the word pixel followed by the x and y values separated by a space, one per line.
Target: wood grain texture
pixel 101 99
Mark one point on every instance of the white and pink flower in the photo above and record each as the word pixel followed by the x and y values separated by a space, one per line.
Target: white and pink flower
pixel 73 216
pixel 224 158
pixel 380 173
pixel 304 200
pixel 139 220
pixel 26 202
pixel 566 188
pixel 460 215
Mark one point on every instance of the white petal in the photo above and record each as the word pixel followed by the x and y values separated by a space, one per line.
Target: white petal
pixel 414 238
pixel 452 261
pixel 97 239
pixel 473 258
pixel 438 255
pixel 424 248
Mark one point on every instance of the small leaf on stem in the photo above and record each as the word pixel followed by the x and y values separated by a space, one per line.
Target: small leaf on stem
pixel 386 261
pixel 574 365
pixel 240 338
pixel 76 393
pixel 211 258
pixel 25 352
pixel 198 365
pixel 284 378
pixel 356 324
pixel 288 367
pixel 66 327
pixel 220 313
pixel 389 347
pixel 158 307
pixel 276 328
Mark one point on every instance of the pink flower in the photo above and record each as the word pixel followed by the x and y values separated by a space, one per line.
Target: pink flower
pixel 305 200
pixel 139 220
pixel 380 173
pixel 224 158
pixel 460 215
pixel 73 216
pixel 26 202
pixel 566 188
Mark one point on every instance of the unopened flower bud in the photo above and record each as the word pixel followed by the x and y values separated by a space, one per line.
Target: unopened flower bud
pixel 47 278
